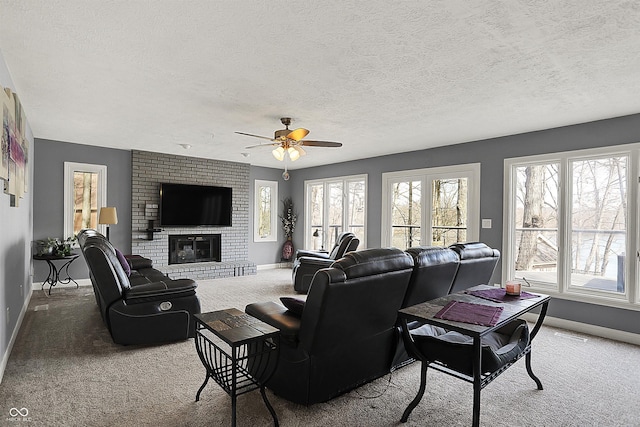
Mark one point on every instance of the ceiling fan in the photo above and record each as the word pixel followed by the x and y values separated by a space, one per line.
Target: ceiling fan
pixel 290 142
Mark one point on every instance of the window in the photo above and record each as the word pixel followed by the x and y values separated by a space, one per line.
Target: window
pixel 333 206
pixel 435 207
pixel 266 211
pixel 567 224
pixel 85 192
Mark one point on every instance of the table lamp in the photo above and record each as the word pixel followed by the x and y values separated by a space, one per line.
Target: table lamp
pixel 108 216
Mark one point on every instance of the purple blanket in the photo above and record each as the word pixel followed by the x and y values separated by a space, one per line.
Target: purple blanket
pixel 476 314
pixel 500 295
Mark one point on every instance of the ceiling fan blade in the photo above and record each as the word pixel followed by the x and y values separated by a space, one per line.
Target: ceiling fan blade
pixel 298 134
pixel 308 143
pixel 256 136
pixel 263 145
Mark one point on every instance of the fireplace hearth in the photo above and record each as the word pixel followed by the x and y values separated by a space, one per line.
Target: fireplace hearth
pixel 194 248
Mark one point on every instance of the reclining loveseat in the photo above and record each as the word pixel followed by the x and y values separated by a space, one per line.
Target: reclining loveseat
pixel 138 304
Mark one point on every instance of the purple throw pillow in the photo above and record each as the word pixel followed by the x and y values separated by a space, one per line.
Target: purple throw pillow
pixel 294 305
pixel 123 262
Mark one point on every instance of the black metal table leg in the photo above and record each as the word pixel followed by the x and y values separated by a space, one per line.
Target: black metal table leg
pixel 50 276
pixel 477 380
pixel 269 407
pixel 206 380
pixel 527 362
pixel 69 279
pixel 418 398
pixel 534 332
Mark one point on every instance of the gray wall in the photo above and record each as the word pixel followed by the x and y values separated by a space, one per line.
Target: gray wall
pixel 15 244
pixel 267 253
pixel 48 190
pixel 491 154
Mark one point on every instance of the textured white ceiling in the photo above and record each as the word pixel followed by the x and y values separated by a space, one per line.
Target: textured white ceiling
pixel 379 76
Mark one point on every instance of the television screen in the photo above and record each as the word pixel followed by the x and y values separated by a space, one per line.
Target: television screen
pixel 185 205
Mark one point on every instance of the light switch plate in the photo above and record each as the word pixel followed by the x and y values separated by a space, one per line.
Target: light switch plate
pixel 486 223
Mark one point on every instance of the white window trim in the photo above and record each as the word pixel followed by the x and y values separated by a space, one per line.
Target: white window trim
pixel 631 298
pixel 471 171
pixel 325 182
pixel 273 237
pixel 69 169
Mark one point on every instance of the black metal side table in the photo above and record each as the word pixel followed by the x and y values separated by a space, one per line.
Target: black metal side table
pixel 425 313
pixel 238 351
pixel 53 278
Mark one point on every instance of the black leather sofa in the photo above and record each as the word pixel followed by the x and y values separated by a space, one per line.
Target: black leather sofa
pixel 140 306
pixel 347 332
pixel 307 263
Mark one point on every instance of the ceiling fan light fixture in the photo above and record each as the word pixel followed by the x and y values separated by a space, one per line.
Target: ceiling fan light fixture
pixel 293 153
pixel 278 153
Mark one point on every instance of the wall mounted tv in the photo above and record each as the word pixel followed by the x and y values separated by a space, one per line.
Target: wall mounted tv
pixel 186 205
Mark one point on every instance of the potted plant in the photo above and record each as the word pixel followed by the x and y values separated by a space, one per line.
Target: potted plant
pixel 53 246
pixel 288 218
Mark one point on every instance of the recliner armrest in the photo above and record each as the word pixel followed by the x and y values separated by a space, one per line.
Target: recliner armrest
pixel 277 316
pixel 162 290
pixel 137 262
pixel 316 254
pixel 316 262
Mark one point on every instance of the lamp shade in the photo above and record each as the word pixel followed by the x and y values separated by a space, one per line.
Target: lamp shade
pixel 108 215
pixel 278 153
pixel 293 154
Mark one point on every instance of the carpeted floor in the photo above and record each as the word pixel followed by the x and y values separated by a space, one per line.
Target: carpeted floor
pixel 65 370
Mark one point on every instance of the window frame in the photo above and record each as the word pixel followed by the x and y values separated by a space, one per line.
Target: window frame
pixel 630 299
pixel 70 168
pixel 471 171
pixel 325 182
pixel 273 236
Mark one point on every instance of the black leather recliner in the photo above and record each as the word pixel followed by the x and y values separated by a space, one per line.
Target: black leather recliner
pixel 477 263
pixel 148 312
pixel 346 333
pixel 307 263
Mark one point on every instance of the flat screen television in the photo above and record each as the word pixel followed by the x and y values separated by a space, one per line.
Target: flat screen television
pixel 187 205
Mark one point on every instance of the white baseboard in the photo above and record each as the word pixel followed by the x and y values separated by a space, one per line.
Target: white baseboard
pixel 14 335
pixel 81 282
pixel 273 266
pixel 585 328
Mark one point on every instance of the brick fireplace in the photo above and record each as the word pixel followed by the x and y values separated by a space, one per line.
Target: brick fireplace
pixel 148 171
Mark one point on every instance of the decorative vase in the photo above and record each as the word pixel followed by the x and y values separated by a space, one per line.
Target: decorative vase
pixel 287 250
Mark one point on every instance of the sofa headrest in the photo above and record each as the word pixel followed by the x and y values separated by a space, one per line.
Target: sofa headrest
pixel 86 233
pixel 342 243
pixel 372 261
pixel 98 246
pixel 474 250
pixel 428 255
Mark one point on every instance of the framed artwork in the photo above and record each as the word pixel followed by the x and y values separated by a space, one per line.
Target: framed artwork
pixel 4 141
pixel 14 147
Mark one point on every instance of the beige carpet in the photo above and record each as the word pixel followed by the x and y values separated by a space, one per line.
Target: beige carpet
pixel 65 370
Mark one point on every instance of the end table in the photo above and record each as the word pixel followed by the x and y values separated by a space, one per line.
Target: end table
pixel 238 351
pixel 53 278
